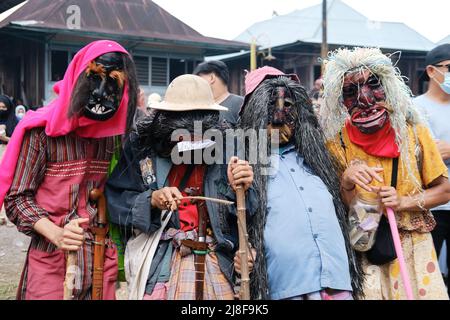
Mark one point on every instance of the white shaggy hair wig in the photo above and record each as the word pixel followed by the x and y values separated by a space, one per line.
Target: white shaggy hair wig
pixel 333 113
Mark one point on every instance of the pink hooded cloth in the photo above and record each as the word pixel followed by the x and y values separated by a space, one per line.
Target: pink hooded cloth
pixel 54 117
pixel 254 78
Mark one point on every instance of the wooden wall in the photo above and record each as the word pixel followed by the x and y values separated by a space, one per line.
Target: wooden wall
pixel 301 59
pixel 22 68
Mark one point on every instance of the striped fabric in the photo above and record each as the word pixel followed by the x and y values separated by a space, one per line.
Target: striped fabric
pixel 43 156
pixel 30 170
pixel 58 173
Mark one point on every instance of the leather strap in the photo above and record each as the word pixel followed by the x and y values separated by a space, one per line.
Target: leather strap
pixel 394 172
pixel 199 261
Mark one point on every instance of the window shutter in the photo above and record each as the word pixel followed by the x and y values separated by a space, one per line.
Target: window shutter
pixel 142 69
pixel 159 72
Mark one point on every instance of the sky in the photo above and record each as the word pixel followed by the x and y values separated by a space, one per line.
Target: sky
pixel 228 18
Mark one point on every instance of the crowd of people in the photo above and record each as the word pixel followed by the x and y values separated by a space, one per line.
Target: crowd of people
pixel 345 187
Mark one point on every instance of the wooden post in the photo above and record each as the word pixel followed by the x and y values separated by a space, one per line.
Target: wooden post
pixel 244 293
pixel 253 54
pixel 99 244
pixel 324 50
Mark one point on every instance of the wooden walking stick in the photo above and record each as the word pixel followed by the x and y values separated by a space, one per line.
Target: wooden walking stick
pixel 99 243
pixel 71 271
pixel 199 246
pixel 244 293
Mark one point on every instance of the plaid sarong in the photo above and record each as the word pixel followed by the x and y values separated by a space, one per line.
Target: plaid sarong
pixel 182 279
pixel 181 285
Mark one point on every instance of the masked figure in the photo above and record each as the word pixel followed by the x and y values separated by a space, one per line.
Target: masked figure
pixel 376 134
pixel 56 156
pixel 162 164
pixel 299 230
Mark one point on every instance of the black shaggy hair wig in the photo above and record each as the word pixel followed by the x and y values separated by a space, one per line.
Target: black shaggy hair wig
pixel 156 130
pixel 310 144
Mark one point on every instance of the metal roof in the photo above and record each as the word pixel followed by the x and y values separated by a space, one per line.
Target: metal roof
pixel 228 56
pixel 346 27
pixel 445 40
pixel 8 4
pixel 140 20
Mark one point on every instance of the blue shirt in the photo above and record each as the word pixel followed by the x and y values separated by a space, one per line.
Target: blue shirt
pixel 305 248
pixel 437 116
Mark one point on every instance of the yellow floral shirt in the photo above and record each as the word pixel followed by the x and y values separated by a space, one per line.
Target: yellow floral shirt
pixel 432 168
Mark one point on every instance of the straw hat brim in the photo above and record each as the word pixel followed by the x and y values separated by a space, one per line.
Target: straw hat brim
pixel 167 106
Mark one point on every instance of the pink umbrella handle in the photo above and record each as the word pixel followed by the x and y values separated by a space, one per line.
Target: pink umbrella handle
pixel 399 252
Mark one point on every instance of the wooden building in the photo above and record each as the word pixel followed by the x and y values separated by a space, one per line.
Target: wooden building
pixel 40 37
pixel 295 41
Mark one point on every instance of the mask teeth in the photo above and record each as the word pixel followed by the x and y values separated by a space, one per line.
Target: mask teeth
pixel 98 109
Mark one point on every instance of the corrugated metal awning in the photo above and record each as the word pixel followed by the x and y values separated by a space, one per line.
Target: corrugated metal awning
pixel 139 20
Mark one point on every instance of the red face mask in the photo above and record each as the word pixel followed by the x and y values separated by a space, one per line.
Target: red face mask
pixel 364 98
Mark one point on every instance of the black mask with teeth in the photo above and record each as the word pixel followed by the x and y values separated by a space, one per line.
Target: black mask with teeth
pixel 105 76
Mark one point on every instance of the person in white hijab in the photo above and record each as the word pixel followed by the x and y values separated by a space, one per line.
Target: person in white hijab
pixel 20 112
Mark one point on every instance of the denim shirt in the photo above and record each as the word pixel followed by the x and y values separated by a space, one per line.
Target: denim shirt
pixel 305 248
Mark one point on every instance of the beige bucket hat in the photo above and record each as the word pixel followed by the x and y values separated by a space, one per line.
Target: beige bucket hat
pixel 188 92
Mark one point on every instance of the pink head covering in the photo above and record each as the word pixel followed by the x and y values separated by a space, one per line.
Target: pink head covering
pixel 54 117
pixel 254 78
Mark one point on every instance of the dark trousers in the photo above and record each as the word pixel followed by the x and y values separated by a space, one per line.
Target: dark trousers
pixel 441 233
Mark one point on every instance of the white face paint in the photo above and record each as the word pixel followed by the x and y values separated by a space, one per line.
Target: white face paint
pixel 194 145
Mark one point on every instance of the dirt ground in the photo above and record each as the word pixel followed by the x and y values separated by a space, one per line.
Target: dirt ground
pixel 13 250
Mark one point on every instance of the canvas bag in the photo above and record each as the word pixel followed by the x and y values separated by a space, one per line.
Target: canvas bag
pixel 139 254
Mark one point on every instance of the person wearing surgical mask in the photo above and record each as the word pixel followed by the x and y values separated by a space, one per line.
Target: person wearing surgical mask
pixel 20 112
pixel 435 105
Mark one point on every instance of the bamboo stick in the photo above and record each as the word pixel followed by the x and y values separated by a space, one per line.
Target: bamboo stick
pixel 69 282
pixel 244 293
pixel 220 201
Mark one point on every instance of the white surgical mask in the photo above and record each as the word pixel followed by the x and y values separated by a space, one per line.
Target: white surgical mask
pixel 445 86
